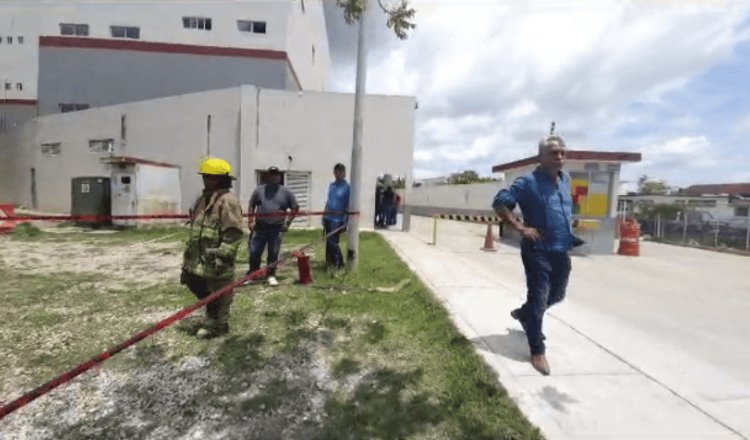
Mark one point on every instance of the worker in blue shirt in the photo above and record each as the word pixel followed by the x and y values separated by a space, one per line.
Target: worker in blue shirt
pixel 336 215
pixel 546 238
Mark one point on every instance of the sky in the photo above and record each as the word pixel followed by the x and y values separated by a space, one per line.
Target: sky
pixel 669 79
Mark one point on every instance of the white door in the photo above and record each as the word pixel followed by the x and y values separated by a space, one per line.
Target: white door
pixel 298 183
pixel 123 197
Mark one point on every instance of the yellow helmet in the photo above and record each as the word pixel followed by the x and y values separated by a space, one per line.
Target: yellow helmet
pixel 213 166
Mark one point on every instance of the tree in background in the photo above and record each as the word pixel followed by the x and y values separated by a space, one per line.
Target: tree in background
pixel 468 176
pixel 400 21
pixel 652 187
pixel 400 15
pixel 649 211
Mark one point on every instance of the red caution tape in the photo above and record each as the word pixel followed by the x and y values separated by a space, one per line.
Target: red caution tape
pixel 102 218
pixel 101 357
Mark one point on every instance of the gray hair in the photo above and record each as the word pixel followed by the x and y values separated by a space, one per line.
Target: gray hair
pixel 549 142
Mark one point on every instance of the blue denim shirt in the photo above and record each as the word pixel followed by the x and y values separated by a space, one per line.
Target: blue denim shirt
pixel 545 205
pixel 338 200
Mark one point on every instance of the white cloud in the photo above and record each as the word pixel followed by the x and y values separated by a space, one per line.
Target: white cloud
pixel 687 151
pixel 677 161
pixel 743 125
pixel 491 75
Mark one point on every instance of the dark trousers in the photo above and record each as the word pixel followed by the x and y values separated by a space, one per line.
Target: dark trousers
pixel 546 280
pixel 392 215
pixel 334 257
pixel 217 310
pixel 385 213
pixel 265 235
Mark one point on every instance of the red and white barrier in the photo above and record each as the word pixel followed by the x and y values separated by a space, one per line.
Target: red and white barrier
pixel 7 215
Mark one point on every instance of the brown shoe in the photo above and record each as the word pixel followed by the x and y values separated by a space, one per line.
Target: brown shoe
pixel 540 364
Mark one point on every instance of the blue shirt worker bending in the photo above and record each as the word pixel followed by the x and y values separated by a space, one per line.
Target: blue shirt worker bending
pixel 546 205
pixel 336 216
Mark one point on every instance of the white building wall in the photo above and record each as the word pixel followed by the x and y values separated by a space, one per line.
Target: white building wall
pixel 161 21
pixel 171 130
pixel 464 198
pixel 16 162
pixel 303 34
pixel 250 127
pixel 315 129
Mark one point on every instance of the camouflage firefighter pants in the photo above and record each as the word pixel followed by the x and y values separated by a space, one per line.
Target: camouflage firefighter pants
pixel 217 310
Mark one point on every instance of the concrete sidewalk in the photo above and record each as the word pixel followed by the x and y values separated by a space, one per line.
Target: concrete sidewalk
pixel 625 364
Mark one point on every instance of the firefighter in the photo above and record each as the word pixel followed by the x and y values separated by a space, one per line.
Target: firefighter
pixel 215 235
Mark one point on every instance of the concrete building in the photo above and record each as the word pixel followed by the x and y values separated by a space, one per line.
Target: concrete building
pixel 303 133
pixel 71 55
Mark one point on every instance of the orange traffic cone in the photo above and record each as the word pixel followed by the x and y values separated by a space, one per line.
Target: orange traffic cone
pixel 489 240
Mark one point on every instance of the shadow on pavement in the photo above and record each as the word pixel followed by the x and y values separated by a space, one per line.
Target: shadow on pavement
pixel 512 345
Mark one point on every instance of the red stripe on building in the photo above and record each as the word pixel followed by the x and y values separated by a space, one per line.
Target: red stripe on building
pixel 18 101
pixel 150 46
pixel 594 156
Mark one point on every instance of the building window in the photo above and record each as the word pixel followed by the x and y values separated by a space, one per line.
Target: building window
pixel 19 86
pixel 131 32
pixel 7 85
pixel 203 23
pixel 9 40
pixel 51 149
pixel 123 129
pixel 742 211
pixel 255 27
pixel 66 108
pixel 698 203
pixel 102 145
pixel 20 39
pixel 77 29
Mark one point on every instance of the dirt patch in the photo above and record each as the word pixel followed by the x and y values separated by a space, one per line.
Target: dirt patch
pixel 190 399
pixel 141 266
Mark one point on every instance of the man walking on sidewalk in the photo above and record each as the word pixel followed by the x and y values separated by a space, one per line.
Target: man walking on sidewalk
pixel 275 207
pixel 546 204
pixel 338 203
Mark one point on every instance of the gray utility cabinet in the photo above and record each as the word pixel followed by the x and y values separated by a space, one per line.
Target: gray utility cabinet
pixel 91 196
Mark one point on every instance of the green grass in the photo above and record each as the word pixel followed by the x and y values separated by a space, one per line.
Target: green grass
pixel 412 374
pixel 101 236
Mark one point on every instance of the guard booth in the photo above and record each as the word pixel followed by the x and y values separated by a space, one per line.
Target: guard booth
pixel 595 182
pixel 141 187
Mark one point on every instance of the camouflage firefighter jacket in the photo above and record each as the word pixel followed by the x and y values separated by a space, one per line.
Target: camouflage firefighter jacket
pixel 215 235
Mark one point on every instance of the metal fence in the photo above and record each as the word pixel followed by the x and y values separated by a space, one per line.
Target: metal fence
pixel 696 232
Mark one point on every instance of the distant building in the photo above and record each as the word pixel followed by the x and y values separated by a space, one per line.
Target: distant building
pixel 443 180
pixel 728 202
pixel 173 82
pixel 301 133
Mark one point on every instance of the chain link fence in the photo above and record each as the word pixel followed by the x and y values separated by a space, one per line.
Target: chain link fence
pixel 695 230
